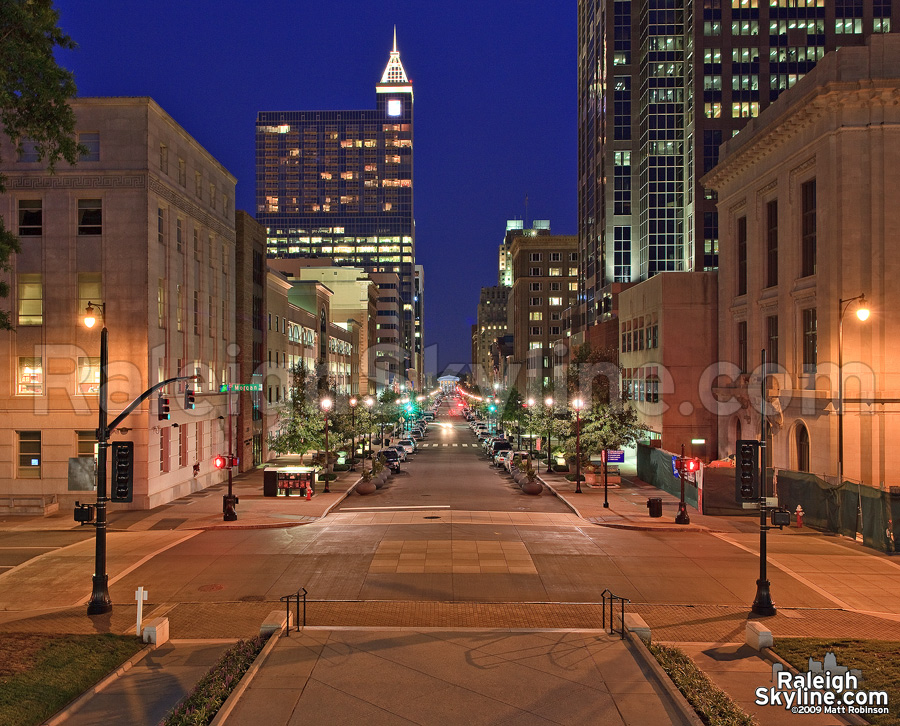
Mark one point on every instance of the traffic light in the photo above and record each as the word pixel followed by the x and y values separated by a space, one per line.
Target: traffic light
pixel 163 408
pixel 220 462
pixel 189 400
pixel 122 485
pixel 747 468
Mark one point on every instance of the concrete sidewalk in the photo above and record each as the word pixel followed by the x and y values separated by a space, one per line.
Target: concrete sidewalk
pixel 449 677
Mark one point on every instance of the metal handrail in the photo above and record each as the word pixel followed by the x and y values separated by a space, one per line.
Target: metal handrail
pixel 607 595
pixel 287 600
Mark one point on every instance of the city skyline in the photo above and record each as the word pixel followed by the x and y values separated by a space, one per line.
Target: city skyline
pixel 484 90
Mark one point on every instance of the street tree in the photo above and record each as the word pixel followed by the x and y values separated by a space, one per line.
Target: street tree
pixel 610 426
pixel 593 374
pixel 34 99
pixel 300 423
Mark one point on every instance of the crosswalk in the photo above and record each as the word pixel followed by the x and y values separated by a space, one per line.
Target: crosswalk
pixel 436 445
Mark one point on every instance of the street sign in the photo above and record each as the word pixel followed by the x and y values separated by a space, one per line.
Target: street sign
pixel 240 388
pixel 614 456
pixel 675 471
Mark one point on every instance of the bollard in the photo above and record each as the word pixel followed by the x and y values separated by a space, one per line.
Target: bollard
pixel 799 512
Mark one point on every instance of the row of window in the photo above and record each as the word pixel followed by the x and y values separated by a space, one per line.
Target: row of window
pixel 198 180
pixel 808 347
pixel 553 256
pixel 639 334
pixel 771 240
pixel 88 217
pixel 30 296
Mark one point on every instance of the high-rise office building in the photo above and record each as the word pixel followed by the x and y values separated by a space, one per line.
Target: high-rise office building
pixel 661 85
pixel 339 184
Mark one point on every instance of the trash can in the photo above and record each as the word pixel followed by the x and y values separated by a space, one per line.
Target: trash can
pixel 654 504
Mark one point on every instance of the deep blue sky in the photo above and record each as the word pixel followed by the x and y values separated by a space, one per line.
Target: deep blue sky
pixel 495 113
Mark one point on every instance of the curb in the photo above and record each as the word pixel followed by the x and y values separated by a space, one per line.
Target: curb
pixel 688 714
pixel 73 706
pixel 228 706
pixel 627 526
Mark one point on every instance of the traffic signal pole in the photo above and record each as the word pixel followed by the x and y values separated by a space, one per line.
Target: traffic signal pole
pixel 229 500
pixel 682 516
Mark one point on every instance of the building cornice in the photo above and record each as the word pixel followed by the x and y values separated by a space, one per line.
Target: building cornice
pixel 768 135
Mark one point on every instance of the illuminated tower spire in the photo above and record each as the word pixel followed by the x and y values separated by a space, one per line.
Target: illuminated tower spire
pixel 394 72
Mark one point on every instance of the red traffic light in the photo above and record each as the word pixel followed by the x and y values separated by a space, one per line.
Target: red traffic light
pixel 220 462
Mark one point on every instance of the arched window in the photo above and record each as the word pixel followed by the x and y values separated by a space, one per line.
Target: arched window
pixel 802 439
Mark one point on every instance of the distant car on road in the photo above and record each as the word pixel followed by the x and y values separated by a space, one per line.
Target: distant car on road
pixel 408 444
pixel 400 450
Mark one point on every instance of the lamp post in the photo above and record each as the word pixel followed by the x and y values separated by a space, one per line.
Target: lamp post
pixel 100 602
pixel 577 404
pixel 353 403
pixel 529 403
pixel 548 402
pixel 862 312
pixel 369 403
pixel 325 403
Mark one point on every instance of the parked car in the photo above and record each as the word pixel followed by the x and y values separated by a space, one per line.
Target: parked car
pixel 392 458
pixel 400 450
pixel 498 445
pixel 408 444
pixel 501 456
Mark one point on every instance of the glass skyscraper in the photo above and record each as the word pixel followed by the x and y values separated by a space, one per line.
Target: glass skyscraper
pixel 661 84
pixel 339 184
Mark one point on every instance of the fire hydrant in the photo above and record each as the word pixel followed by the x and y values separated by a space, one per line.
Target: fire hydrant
pixel 799 512
pixel 308 493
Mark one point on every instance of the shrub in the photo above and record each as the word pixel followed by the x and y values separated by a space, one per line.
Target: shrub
pixel 201 705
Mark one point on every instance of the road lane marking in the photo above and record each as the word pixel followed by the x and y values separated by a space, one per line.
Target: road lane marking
pixel 411 506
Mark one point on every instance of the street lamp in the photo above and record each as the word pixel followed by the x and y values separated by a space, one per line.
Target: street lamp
pixel 326 403
pixel 369 401
pixel 862 312
pixel 578 404
pixel 529 403
pixel 548 402
pixel 353 403
pixel 100 602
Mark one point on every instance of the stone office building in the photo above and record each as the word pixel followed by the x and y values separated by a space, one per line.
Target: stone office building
pixel 144 226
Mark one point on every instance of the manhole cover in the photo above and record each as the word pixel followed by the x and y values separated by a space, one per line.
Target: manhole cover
pixel 252 598
pixel 210 588
pixel 432 517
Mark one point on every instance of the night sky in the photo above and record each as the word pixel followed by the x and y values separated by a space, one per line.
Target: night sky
pixel 495 105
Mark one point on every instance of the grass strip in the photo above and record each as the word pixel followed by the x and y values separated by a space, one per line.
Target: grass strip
pixel 41 672
pixel 878 660
pixel 713 705
pixel 201 704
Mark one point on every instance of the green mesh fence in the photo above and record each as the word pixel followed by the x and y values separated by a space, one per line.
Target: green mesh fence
pixel 654 466
pixel 847 509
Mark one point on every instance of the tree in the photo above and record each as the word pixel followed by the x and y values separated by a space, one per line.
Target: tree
pixel 301 424
pixel 512 411
pixel 610 426
pixel 593 374
pixel 34 99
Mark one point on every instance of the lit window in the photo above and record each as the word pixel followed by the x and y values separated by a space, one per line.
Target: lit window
pixel 31 377
pixel 89 291
pixel 31 300
pixel 556 301
pixel 88 375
